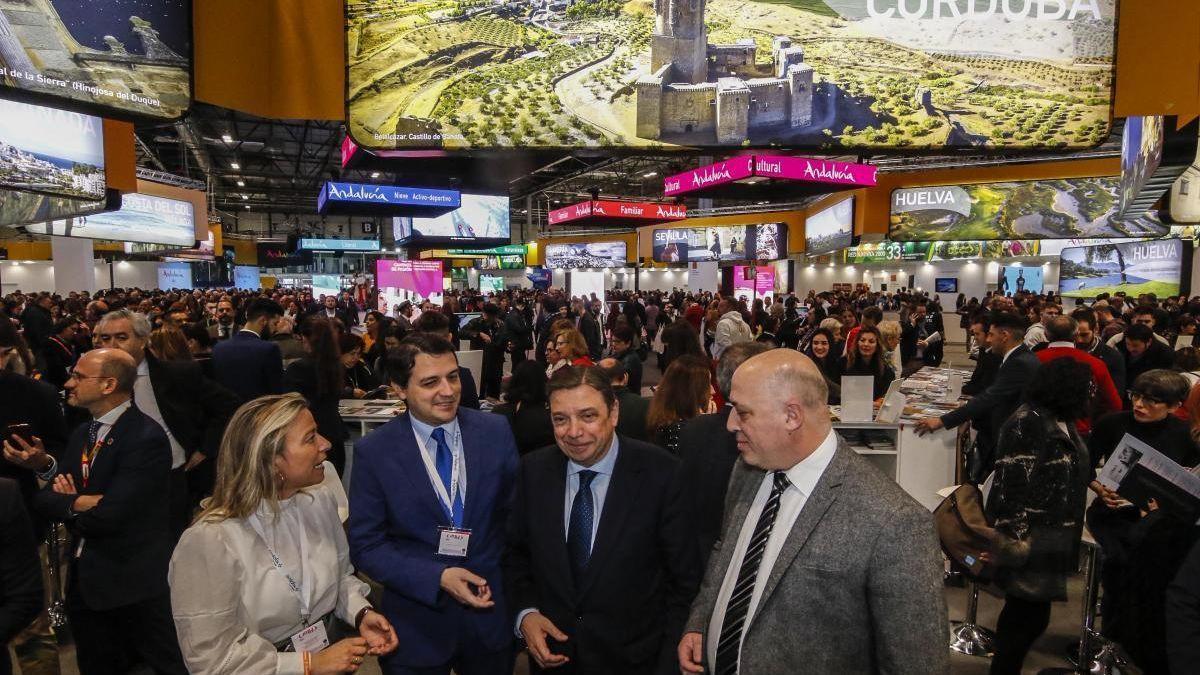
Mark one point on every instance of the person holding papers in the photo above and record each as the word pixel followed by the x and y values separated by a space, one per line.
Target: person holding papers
pixel 921 338
pixel 429 499
pixel 1143 544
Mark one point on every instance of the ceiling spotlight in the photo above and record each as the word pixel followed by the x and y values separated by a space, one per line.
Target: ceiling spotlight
pixel 235 166
pixel 227 138
pixel 241 183
pixel 652 174
pixel 247 207
pixel 374 174
pixel 247 197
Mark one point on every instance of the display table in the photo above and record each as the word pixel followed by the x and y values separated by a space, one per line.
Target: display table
pixel 922 465
pixel 369 414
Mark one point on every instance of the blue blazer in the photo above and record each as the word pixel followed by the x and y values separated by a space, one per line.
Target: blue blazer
pixel 248 365
pixel 393 531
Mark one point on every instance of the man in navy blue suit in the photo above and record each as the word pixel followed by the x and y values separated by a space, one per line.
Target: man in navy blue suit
pixel 430 493
pixel 250 364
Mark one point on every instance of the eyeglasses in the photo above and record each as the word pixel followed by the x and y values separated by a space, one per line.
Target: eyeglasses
pixel 1144 398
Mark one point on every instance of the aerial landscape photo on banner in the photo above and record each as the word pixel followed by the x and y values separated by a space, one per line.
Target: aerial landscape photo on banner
pixel 730 73
pixel 1049 209
pixel 51 152
pixel 1132 268
pixel 128 57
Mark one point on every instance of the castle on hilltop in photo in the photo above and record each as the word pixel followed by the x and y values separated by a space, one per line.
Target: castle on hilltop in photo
pixel 694 87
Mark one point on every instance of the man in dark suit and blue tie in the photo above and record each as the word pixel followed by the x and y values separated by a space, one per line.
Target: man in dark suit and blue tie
pixel 600 568
pixel 430 493
pixel 248 363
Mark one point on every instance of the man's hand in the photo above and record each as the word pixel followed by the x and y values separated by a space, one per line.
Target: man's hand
pixel 30 456
pixel 379 634
pixel 458 582
pixel 929 425
pixel 1110 497
pixel 85 503
pixel 535 627
pixel 194 460
pixel 922 344
pixel 64 484
pixel 691 653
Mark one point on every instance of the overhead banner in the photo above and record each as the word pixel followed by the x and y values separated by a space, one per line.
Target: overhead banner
pixel 144 219
pixel 616 211
pixel 1154 154
pixel 51 152
pixel 806 169
pixel 585 255
pixel 117 57
pixel 766 241
pixel 1133 268
pixel 479 219
pixel 1048 209
pixel 826 74
pixel 360 245
pixel 358 198
pixel 830 229
pixel 930 251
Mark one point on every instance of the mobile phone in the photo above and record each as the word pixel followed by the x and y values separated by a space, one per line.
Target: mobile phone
pixel 24 431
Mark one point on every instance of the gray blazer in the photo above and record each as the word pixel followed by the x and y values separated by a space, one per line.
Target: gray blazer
pixel 857 587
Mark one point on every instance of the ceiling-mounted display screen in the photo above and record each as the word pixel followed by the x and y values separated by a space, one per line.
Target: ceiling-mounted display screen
pixel 1133 268
pixel 1154 153
pixel 481 219
pixel 1018 278
pixel 117 57
pixel 585 255
pixel 805 74
pixel 280 254
pixel 142 218
pixel 830 229
pixel 765 241
pixel 1048 209
pixel 22 208
pixel 49 151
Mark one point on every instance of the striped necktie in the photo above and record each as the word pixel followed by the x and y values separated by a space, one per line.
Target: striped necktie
pixel 730 643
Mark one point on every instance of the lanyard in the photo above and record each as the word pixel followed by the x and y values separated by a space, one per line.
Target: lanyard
pixel 87 458
pixel 304 598
pixel 447 500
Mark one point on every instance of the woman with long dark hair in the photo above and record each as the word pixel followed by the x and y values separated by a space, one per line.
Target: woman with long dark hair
pixel 1036 505
pixel 865 357
pixel 679 339
pixel 320 376
pixel 684 392
pixel 823 350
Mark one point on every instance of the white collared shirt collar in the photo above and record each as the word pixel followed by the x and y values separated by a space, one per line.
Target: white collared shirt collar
pixel 426 432
pixel 805 474
pixel 247 330
pixel 604 466
pixel 110 418
pixel 1063 344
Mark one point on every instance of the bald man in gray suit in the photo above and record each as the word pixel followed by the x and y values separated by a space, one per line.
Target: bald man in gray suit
pixel 824 564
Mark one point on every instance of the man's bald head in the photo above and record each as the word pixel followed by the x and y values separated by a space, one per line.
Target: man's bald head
pixel 780 413
pixel 617 374
pixel 117 364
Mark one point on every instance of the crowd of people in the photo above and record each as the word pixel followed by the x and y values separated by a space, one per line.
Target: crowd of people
pixel 191 443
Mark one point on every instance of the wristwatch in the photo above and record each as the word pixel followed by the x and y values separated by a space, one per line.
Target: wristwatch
pixel 361 613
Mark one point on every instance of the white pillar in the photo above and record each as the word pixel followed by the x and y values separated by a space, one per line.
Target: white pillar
pixel 74 267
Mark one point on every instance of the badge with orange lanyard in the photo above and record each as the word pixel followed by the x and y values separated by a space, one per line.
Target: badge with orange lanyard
pixel 88 457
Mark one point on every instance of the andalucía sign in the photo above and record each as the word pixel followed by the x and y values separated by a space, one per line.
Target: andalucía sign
pixel 359 198
pixel 615 213
pixel 751 171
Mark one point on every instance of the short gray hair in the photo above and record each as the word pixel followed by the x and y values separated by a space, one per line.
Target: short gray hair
pixel 141 325
pixel 735 355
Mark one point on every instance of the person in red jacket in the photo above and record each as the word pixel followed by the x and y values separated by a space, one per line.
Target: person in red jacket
pixel 1060 331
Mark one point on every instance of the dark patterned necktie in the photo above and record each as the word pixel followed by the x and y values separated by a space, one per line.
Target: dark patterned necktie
pixel 730 642
pixel 579 533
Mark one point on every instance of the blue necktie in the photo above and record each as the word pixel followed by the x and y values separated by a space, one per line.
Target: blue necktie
pixel 93 434
pixel 579 534
pixel 445 469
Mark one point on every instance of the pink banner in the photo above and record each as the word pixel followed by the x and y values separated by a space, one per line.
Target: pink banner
pixel 814 170
pixel 762 285
pixel 708 176
pixel 407 280
pixel 572 212
pixel 618 211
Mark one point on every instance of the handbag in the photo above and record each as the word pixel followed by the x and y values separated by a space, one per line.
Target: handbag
pixel 964 531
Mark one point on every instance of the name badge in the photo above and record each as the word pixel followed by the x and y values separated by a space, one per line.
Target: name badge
pixel 311 639
pixel 453 542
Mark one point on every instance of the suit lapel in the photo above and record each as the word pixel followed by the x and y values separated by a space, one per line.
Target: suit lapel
pixel 409 456
pixel 823 496
pixel 473 456
pixel 620 500
pixel 548 494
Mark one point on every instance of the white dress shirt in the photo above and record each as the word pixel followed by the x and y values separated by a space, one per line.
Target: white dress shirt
pixel 232 605
pixel 803 476
pixel 428 447
pixel 143 398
